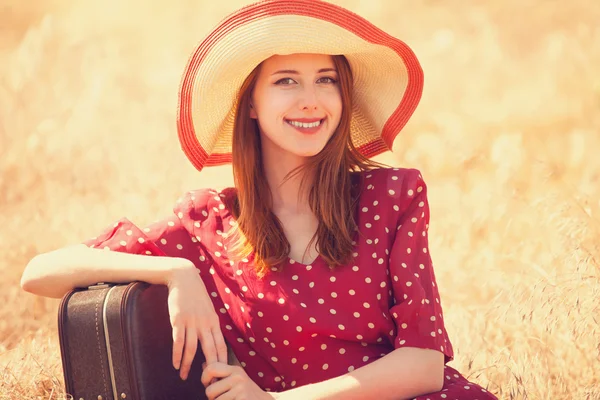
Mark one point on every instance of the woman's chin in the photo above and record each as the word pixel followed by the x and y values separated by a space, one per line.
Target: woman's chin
pixel 308 152
pixel 283 148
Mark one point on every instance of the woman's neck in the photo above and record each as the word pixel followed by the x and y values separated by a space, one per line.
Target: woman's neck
pixel 287 198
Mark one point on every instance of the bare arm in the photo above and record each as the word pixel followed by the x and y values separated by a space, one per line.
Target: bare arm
pixel 55 273
pixel 402 374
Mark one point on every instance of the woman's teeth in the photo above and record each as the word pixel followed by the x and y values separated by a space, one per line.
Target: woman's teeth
pixel 304 124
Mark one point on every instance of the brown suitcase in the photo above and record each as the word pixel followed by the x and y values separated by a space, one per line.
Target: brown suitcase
pixel 116 343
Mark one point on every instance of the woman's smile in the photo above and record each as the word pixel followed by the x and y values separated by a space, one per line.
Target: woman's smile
pixel 306 125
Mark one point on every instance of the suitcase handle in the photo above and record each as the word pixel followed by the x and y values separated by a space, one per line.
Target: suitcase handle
pixel 101 285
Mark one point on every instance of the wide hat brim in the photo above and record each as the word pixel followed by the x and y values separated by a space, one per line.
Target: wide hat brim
pixel 388 79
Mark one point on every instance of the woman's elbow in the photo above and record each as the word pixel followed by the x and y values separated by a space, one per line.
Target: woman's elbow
pixel 437 377
pixel 28 276
pixel 32 281
pixel 438 383
pixel 433 373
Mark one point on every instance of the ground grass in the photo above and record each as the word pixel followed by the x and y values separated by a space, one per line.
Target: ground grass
pixel 507 137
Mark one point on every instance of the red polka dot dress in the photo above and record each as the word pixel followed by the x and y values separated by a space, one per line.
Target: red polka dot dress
pixel 305 323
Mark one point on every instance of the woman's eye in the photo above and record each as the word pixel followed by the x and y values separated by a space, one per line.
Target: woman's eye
pixel 327 79
pixel 285 81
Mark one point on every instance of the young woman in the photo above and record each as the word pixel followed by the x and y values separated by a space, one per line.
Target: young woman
pixel 315 268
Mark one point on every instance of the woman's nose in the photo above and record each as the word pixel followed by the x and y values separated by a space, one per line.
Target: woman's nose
pixel 308 99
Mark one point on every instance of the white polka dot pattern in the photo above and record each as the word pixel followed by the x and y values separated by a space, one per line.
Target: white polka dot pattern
pixel 414 311
pixel 306 323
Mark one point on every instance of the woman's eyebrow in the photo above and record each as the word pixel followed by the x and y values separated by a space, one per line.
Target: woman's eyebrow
pixel 294 72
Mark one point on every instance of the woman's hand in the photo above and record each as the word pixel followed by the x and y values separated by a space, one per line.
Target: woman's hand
pixel 193 318
pixel 232 384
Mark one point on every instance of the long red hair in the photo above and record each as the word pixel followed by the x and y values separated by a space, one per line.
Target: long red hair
pixel 333 198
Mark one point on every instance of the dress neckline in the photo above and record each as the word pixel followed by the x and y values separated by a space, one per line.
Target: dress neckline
pixel 291 261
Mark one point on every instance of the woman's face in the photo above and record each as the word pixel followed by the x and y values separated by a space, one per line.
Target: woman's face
pixel 297 103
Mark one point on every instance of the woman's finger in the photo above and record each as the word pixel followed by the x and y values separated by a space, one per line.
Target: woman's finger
pixel 178 341
pixel 215 370
pixel 230 395
pixel 191 345
pixel 207 342
pixel 220 390
pixel 220 345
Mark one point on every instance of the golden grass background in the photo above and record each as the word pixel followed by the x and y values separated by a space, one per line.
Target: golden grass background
pixel 507 137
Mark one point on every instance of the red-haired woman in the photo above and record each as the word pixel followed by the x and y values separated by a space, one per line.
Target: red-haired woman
pixel 315 268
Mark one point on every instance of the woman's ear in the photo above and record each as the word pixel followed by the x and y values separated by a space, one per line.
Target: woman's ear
pixel 253 112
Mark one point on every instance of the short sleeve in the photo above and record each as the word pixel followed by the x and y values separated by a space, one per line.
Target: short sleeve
pixel 169 236
pixel 417 309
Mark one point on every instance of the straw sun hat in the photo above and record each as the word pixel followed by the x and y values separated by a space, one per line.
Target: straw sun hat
pixel 388 79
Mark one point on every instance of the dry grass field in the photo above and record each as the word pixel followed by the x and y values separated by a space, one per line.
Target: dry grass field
pixel 507 137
